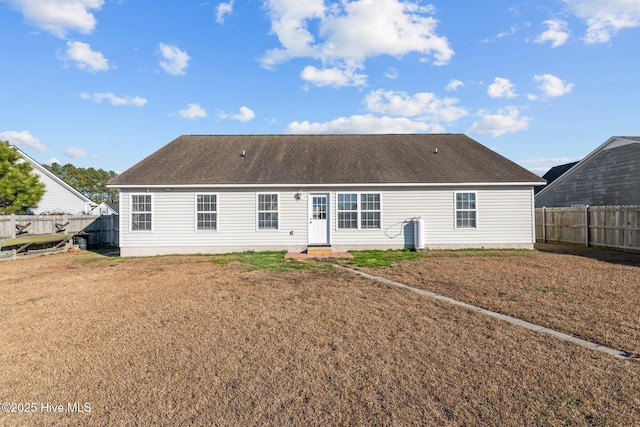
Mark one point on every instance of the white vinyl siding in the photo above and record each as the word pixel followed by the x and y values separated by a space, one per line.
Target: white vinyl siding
pixel 206 212
pixel 141 212
pixel 505 216
pixel 58 199
pixel 175 229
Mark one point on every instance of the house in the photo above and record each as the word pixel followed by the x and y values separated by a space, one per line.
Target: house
pixel 59 197
pixel 216 194
pixel 610 175
pixel 106 209
pixel 553 174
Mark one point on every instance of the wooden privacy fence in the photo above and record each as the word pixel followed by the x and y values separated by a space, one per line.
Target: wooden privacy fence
pixel 607 226
pixel 98 230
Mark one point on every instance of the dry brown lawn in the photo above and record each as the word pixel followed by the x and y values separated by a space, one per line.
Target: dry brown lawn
pixel 187 341
pixel 590 293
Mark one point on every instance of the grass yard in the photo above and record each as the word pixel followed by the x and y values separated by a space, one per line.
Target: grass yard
pixel 210 340
pixel 586 292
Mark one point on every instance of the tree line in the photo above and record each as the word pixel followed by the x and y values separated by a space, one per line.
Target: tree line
pixel 90 182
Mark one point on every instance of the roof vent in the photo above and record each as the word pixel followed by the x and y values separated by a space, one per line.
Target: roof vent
pixel 436 150
pixel 243 154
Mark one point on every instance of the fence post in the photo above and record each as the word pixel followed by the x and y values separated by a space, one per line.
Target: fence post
pixel 586 224
pixel 13 226
pixel 544 224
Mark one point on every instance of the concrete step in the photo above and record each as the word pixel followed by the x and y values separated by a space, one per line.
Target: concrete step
pixel 319 250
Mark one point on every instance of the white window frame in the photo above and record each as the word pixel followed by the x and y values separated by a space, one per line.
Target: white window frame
pixel 456 210
pixel 359 210
pixel 132 212
pixel 339 211
pixel 216 212
pixel 258 211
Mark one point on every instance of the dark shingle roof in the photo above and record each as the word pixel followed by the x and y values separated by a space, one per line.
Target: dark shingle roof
pixel 323 159
pixel 555 173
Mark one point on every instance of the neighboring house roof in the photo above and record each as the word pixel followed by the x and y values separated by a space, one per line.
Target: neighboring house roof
pixel 106 209
pixel 51 200
pixel 114 207
pixel 612 143
pixel 323 159
pixel 555 173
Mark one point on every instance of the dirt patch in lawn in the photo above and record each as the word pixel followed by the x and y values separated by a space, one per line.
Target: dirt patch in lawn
pixel 590 293
pixel 192 341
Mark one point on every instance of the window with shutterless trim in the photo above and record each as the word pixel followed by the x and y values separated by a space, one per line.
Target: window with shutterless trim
pixel 206 212
pixel 370 210
pixel 466 211
pixel 141 214
pixel 347 211
pixel 268 211
pixel 359 211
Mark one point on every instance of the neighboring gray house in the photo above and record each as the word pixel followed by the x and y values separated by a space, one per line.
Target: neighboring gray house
pixel 553 174
pixel 610 175
pixel 216 194
pixel 59 197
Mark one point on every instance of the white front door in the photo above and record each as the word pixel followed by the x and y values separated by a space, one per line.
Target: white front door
pixel 318 219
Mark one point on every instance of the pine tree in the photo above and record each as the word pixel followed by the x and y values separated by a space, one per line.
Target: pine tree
pixel 20 189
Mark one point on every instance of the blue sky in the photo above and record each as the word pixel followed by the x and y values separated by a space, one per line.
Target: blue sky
pixel 104 83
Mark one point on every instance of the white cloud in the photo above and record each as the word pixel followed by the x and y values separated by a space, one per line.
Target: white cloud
pixel 174 61
pixel 51 161
pixel 541 166
pixel 222 10
pixel 392 73
pixel 335 77
pixel 454 85
pixel 85 58
pixel 23 139
pixel 77 153
pixel 604 18
pixel 97 98
pixel 244 115
pixel 399 112
pixel 505 120
pixel 514 29
pixel 400 28
pixel 364 124
pixel 556 33
pixel 552 86
pixel 59 16
pixel 345 36
pixel 424 105
pixel 550 162
pixel 192 112
pixel 501 88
